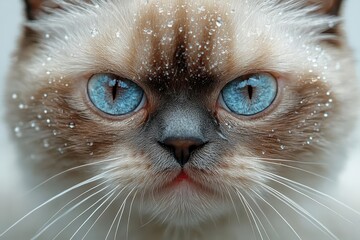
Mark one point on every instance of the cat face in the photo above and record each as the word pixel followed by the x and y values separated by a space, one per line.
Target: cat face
pixel 192 106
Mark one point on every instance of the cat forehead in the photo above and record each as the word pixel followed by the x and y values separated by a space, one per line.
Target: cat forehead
pixel 163 38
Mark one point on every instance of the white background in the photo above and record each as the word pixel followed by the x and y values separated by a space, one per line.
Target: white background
pixel 10 19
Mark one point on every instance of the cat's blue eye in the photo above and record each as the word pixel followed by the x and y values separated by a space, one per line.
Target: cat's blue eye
pixel 114 95
pixel 251 95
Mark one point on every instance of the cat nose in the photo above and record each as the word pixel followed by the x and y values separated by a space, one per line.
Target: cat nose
pixel 182 147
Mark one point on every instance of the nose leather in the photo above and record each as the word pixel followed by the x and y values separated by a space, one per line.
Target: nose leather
pixel 182 148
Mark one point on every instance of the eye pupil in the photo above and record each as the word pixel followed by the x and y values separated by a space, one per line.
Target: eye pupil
pixel 114 91
pixel 250 91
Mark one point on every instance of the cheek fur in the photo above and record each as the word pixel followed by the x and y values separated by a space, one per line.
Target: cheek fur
pixel 301 123
pixel 57 121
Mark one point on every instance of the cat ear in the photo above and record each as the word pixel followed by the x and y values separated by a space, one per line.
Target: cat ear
pixel 331 7
pixel 35 7
pixel 32 8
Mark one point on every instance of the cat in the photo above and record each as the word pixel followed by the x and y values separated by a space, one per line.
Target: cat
pixel 177 119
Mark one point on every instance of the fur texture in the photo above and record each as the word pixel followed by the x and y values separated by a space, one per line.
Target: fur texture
pixel 258 177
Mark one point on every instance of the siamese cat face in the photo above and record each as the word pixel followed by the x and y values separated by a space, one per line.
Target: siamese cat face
pixel 186 107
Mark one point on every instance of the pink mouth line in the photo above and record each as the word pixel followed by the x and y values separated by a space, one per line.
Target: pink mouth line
pixel 181 177
pixel 186 179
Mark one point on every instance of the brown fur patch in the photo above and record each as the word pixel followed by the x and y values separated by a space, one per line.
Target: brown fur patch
pixel 303 126
pixel 32 8
pixel 64 130
pixel 332 7
pixel 186 49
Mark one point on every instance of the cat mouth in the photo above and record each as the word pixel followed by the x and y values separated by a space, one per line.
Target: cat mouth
pixel 179 178
pixel 185 181
pixel 183 176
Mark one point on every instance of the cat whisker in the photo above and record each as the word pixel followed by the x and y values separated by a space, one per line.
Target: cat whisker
pixel 123 205
pixel 222 135
pixel 284 160
pixel 70 202
pixel 82 213
pixel 315 192
pixel 118 217
pixel 141 205
pixel 67 212
pixel 69 170
pixel 294 168
pixel 155 215
pixel 240 196
pixel 300 210
pixel 277 212
pixel 233 204
pixel 99 217
pixel 253 215
pixel 309 197
pixel 172 213
pixel 112 224
pixel 257 217
pixel 128 220
pixel 263 213
pixel 95 211
pixel 151 220
pixel 88 181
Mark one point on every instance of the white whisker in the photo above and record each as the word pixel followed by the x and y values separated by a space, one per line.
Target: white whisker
pixel 258 219
pixel 67 171
pixel 97 219
pixel 151 219
pixel 246 211
pixel 233 204
pixel 284 160
pixel 263 213
pixel 253 215
pixel 154 216
pixel 82 213
pixel 92 214
pixel 315 191
pixel 128 221
pixel 70 202
pixel 295 168
pixel 67 212
pixel 123 205
pixel 142 196
pixel 172 213
pixel 277 212
pixel 113 222
pixel 93 179
pixel 298 209
pixel 307 196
